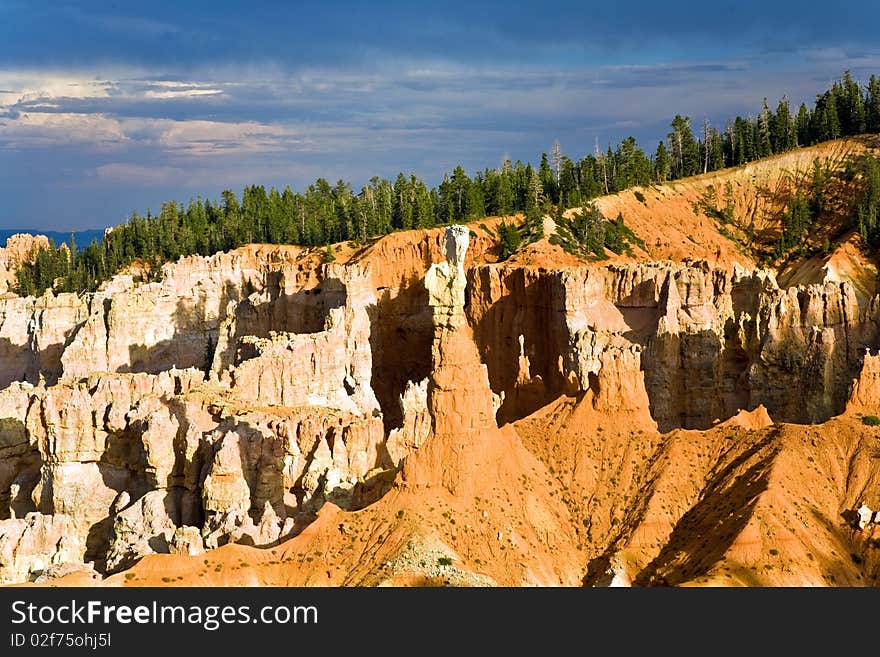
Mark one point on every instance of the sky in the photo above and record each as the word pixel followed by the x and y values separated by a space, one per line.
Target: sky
pixel 112 107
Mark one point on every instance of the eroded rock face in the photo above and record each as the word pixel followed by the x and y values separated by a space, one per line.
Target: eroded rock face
pixel 187 540
pixel 416 422
pixel 136 453
pixel 328 364
pixel 865 394
pixel 35 543
pixel 457 389
pixel 33 334
pixel 19 248
pixel 233 399
pixel 145 527
pixel 704 343
pixel 154 327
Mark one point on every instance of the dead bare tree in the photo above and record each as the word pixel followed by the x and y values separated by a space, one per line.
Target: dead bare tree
pixel 707 135
pixel 556 158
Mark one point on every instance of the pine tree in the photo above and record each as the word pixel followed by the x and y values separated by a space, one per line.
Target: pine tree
pixel 71 259
pixel 853 119
pixel 475 206
pixel 556 156
pixel 662 164
pixel 872 111
pixel 505 199
pixel 784 134
pixel 569 188
pixel 402 212
pixel 803 126
pixel 684 148
pixel 510 239
pixel 868 210
pixel 716 155
pixel 548 180
pixel 424 206
pixel 825 118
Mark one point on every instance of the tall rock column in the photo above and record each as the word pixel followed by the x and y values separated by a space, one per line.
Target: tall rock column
pixel 472 460
pixel 459 396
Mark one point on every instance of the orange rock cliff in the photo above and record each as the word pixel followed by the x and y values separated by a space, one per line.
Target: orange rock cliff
pixel 418 413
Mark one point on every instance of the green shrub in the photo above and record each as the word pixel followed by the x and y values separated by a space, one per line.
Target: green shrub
pixel 871 420
pixel 444 561
pixel 510 239
pixel 587 234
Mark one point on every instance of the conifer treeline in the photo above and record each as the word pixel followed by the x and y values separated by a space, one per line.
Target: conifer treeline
pixel 325 213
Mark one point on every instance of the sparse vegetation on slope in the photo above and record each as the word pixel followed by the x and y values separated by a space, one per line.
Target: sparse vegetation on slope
pixel 587 234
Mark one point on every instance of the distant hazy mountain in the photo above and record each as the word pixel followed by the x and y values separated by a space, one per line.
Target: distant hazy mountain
pixel 82 237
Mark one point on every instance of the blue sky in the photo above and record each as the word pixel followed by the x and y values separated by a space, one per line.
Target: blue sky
pixel 109 107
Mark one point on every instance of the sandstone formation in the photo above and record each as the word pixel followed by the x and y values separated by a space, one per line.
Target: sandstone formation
pixel 134 452
pixel 35 543
pixel 698 343
pixel 19 248
pixel 418 413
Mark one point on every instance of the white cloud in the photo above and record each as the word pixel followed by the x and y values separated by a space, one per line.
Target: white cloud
pixel 26 87
pixel 16 87
pixel 175 84
pixel 41 129
pixel 379 112
pixel 180 93
pixel 214 137
pixel 184 138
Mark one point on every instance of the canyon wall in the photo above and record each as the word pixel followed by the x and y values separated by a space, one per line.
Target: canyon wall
pixel 227 402
pixel 706 342
pixel 235 397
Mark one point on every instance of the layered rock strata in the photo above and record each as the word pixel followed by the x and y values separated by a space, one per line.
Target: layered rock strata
pixel 233 399
pixel 705 342
pixel 129 463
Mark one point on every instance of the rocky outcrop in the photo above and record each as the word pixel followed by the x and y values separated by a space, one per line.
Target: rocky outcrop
pixel 258 434
pixel 446 280
pixel 156 326
pixel 865 394
pixel 19 248
pixel 187 540
pixel 33 335
pixel 416 425
pixel 466 452
pixel 323 359
pixel 238 396
pixel 459 398
pixel 33 544
pixel 704 342
pixel 295 462
pixel 74 448
pixel 142 528
pixel 86 450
